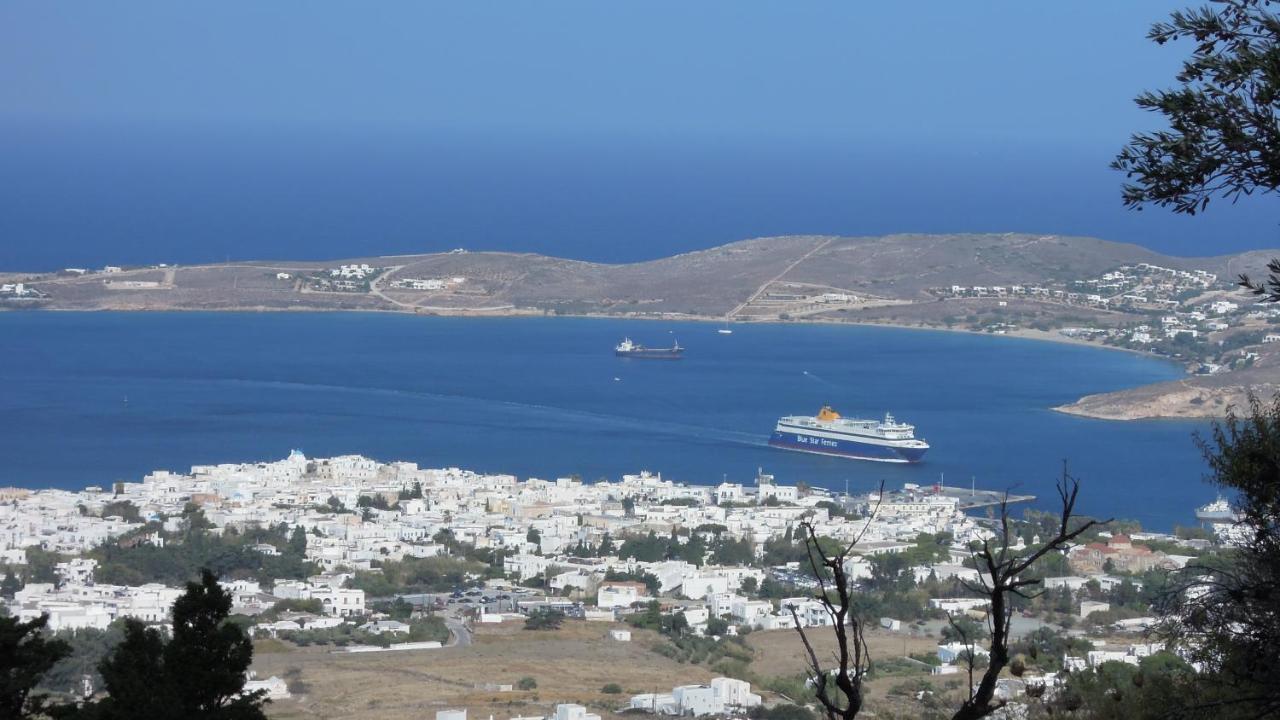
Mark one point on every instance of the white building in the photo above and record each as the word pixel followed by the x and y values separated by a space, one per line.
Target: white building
pixel 719 697
pixel 951 652
pixel 570 711
pixel 619 594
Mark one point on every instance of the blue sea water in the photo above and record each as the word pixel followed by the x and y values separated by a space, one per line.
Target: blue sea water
pixel 77 197
pixel 546 397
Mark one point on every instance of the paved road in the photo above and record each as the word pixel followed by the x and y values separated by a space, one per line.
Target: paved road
pixel 461 635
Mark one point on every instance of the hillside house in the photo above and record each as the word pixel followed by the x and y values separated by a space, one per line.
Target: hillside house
pixel 1121 553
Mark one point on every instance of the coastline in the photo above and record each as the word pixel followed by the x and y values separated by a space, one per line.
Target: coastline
pixel 1021 333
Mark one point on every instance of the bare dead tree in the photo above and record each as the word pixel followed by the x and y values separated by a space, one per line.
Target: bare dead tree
pixel 999 568
pixel 838 690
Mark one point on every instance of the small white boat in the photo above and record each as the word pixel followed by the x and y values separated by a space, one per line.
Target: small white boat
pixel 725 331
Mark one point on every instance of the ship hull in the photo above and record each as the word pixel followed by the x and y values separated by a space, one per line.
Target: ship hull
pixel 650 354
pixel 846 448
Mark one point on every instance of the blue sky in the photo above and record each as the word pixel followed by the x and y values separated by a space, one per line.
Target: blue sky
pixel 603 100
pixel 932 71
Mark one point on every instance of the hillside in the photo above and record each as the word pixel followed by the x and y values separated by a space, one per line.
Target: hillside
pixel 1192 397
pixel 705 283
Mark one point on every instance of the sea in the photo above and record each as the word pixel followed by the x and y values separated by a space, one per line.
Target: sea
pixel 89 197
pixel 93 398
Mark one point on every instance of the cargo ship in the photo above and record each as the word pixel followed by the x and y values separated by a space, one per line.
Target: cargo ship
pixel 630 349
pixel 828 433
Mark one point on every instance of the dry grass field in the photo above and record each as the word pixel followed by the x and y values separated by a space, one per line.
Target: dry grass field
pixel 779 652
pixel 572 664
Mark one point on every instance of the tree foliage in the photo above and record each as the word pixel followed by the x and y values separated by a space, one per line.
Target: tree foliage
pixel 431 574
pixel 1223 135
pixel 198 673
pixel 133 561
pixel 25 656
pixel 545 619
pixel 1226 611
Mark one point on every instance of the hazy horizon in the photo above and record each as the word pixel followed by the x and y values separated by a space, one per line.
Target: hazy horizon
pixel 131 135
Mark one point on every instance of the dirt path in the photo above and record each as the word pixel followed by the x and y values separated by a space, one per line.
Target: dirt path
pixel 760 290
pixel 376 291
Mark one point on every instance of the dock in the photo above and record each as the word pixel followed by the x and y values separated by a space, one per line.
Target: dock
pixel 967 499
pixel 977 499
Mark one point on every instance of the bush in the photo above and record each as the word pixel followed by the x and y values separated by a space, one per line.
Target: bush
pixel 293 680
pixel 544 620
pixel 612 689
pixel 909 688
pixel 312 605
pixel 433 574
pixel 527 683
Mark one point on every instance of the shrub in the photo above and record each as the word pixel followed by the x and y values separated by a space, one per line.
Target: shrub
pixel 527 683
pixel 612 689
pixel 544 620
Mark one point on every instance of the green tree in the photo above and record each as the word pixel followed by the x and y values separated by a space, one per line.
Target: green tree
pixel 546 619
pixel 1118 691
pixel 964 629
pixel 25 656
pixel 10 585
pixel 717 627
pixel 694 550
pixel 527 683
pixel 135 678
pixel 89 646
pixel 1223 136
pixel 727 551
pixel 651 582
pixel 606 546
pixel 122 509
pixel 41 566
pixel 198 673
pixel 1227 609
pixel 298 542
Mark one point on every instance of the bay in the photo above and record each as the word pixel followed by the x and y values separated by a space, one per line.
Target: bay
pixel 91 398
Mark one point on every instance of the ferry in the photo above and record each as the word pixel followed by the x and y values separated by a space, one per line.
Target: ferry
pixel 630 349
pixel 828 433
pixel 1218 511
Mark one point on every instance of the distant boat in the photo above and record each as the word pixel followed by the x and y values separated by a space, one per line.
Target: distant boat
pixel 1218 511
pixel 630 349
pixel 725 331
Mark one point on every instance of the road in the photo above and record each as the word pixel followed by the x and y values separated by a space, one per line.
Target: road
pixel 461 635
pixel 760 290
pixel 376 291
